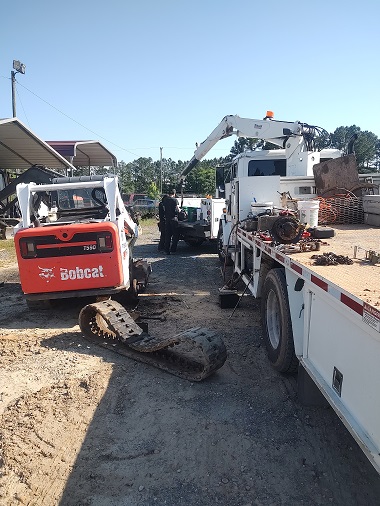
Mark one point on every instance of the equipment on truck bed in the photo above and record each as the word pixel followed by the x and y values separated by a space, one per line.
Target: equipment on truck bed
pixel 75 240
pixel 322 320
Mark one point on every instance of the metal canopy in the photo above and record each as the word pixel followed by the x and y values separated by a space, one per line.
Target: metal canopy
pixel 85 153
pixel 20 148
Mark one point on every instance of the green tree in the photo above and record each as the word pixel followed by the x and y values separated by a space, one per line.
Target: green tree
pixel 201 181
pixel 342 135
pixel 125 177
pixel 242 144
pixel 365 151
pixel 377 158
pixel 365 146
pixel 153 191
pixel 170 173
pixel 268 145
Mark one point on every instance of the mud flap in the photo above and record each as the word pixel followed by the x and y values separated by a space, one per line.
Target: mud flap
pixel 308 392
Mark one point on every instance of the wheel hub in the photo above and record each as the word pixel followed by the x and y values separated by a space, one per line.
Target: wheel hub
pixel 273 319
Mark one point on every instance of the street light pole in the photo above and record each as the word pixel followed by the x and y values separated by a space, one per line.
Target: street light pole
pixel 161 171
pixel 13 78
pixel 18 68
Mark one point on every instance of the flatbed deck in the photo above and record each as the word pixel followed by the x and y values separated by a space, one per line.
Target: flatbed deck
pixel 362 278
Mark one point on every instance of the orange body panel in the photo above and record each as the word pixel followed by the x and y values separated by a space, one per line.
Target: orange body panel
pixel 69 257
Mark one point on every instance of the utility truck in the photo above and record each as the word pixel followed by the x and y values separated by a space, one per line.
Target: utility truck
pixel 200 220
pixel 319 316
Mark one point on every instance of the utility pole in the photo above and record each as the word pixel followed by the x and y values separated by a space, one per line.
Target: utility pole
pixel 18 68
pixel 161 171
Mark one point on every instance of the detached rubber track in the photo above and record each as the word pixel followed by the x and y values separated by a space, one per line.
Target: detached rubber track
pixel 193 355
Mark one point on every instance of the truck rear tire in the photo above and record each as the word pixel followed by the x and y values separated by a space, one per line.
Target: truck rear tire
pixel 277 325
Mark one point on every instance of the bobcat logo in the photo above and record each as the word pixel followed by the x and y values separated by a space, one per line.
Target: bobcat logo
pixel 78 273
pixel 46 273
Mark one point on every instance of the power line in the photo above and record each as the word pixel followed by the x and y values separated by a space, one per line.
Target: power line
pixel 75 121
pixel 22 105
pixel 92 131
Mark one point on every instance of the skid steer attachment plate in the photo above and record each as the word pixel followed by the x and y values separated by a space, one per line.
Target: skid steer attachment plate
pixel 193 354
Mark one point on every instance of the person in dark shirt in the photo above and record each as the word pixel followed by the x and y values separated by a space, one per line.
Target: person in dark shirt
pixel 171 223
pixel 161 223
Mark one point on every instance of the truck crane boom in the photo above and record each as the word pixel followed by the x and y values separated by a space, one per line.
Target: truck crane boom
pixel 293 136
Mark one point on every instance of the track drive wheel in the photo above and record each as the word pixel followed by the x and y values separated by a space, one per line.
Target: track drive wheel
pixel 277 326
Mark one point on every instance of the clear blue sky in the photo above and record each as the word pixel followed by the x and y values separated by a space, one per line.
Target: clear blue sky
pixel 144 74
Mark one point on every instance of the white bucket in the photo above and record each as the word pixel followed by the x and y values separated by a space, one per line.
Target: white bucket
pixel 308 211
pixel 261 207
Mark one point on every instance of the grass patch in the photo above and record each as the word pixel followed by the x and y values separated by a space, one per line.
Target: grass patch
pixel 148 222
pixel 7 252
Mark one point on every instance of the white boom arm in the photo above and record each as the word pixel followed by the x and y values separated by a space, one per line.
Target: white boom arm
pixel 270 130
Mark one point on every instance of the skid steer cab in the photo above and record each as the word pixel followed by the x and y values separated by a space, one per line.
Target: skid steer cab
pixel 75 239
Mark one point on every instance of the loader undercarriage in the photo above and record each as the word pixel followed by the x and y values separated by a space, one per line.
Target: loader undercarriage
pixel 193 355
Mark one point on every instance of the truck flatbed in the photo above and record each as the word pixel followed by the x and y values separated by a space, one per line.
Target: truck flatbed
pixel 360 278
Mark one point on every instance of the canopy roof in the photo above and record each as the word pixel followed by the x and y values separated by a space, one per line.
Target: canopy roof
pixel 20 148
pixel 84 153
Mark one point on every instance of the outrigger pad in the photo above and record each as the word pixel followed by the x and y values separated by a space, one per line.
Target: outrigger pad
pixel 321 232
pixel 193 354
pixel 228 298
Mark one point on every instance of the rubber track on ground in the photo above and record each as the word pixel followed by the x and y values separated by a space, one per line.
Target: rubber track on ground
pixel 193 355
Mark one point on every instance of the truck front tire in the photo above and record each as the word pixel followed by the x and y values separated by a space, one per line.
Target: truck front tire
pixel 277 325
pixel 194 241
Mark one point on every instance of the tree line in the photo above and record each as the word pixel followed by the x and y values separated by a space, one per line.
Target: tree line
pixel 153 177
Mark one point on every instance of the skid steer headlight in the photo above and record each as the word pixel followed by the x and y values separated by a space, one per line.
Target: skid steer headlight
pixel 105 242
pixel 28 248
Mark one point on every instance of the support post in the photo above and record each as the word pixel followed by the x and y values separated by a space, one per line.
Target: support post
pixel 161 171
pixel 13 79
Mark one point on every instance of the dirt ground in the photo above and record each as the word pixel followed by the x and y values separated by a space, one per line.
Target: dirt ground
pixel 81 425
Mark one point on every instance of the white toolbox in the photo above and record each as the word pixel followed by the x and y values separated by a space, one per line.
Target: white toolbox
pixel 371 208
pixel 371 204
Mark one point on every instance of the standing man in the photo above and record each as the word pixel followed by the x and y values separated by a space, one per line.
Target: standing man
pixel 161 223
pixel 171 223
